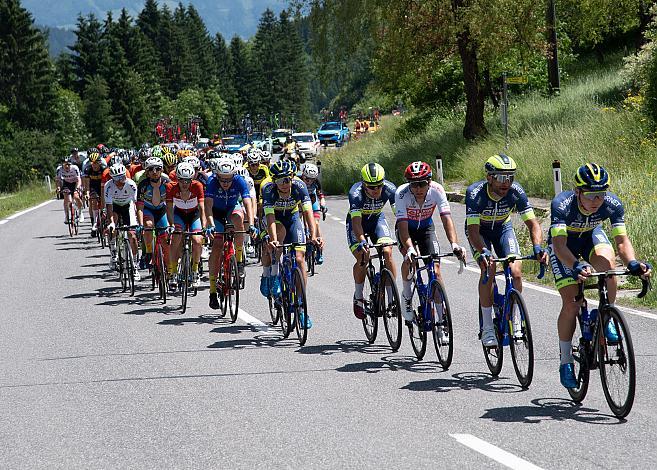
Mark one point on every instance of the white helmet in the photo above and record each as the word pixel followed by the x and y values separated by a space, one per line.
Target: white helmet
pixel 309 170
pixel 238 159
pixel 117 170
pixel 194 161
pixel 153 162
pixel 253 157
pixel 185 171
pixel 225 167
pixel 265 156
pixel 242 171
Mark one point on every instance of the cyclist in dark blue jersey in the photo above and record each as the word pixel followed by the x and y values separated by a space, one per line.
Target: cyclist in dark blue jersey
pixel 489 204
pixel 366 219
pixel 578 244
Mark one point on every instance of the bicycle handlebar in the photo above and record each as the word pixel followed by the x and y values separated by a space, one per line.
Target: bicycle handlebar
pixel 378 247
pixel 646 285
pixel 510 259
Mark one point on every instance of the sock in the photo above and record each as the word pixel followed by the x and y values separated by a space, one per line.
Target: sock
pixel 194 267
pixel 239 252
pixel 566 352
pixel 266 271
pixel 173 267
pixel 407 291
pixel 213 284
pixel 274 269
pixel 358 291
pixel 487 317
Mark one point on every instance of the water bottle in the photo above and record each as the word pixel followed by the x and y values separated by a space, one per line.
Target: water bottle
pixel 377 278
pixel 587 334
pixel 593 317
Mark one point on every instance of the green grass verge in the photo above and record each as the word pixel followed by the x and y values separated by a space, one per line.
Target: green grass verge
pixel 22 199
pixel 592 120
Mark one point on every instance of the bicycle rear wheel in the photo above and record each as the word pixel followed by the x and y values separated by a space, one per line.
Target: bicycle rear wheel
pixel 233 290
pixel 443 334
pixel 616 362
pixel 300 306
pixel 522 348
pixel 161 274
pixel 76 220
pixel 285 316
pixel 310 258
pixel 416 329
pixel 184 282
pixel 121 265
pixel 273 311
pixel 494 355
pixel 130 266
pixel 370 307
pixel 390 309
pixel 71 222
pixel 581 354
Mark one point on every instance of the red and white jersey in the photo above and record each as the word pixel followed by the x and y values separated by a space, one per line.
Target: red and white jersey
pixel 196 196
pixel 72 175
pixel 408 210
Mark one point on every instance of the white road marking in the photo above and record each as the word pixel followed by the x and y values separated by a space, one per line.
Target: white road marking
pixel 18 214
pixel 493 452
pixel 251 320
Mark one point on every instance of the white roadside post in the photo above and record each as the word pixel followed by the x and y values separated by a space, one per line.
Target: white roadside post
pixel 48 183
pixel 439 170
pixel 556 174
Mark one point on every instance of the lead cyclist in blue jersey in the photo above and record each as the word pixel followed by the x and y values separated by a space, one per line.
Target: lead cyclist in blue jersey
pixel 489 204
pixel 366 219
pixel 576 232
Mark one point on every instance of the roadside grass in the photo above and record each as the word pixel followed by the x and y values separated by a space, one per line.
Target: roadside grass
pixel 22 199
pixel 591 120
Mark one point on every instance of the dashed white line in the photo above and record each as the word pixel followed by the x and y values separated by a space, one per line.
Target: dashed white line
pixel 251 320
pixel 493 452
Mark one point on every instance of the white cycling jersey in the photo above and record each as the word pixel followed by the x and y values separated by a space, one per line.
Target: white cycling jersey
pixel 68 176
pixel 121 196
pixel 408 210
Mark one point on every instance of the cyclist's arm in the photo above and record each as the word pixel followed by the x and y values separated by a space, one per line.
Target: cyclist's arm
pixel 625 248
pixel 404 236
pixel 209 220
pixel 474 237
pixel 169 212
pixel 561 250
pixel 310 222
pixel 271 227
pixel 357 227
pixel 201 208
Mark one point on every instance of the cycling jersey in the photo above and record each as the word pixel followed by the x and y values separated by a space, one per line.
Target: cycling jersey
pixel 226 199
pixel 408 210
pixel 569 220
pixel 491 212
pixel 95 177
pixel 186 211
pixel 145 193
pixel 68 176
pixel 259 176
pixel 87 164
pixel 361 205
pixel 285 208
pixel 124 196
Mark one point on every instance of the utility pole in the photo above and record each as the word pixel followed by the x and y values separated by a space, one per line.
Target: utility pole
pixel 552 59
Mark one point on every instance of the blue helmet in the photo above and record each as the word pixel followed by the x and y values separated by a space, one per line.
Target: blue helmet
pixel 592 177
pixel 282 168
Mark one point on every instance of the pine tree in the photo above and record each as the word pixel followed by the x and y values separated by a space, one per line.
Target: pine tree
pixel 148 21
pixel 88 49
pixel 26 73
pixel 241 78
pixel 224 74
pixel 200 44
pixel 130 106
pixel 97 108
pixel 265 55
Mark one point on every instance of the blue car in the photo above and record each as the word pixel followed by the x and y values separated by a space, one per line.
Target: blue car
pixel 235 142
pixel 333 133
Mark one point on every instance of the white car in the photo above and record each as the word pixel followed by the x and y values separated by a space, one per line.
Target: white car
pixel 307 142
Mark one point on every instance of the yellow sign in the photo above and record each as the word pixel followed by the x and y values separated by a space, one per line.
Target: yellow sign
pixel 516 80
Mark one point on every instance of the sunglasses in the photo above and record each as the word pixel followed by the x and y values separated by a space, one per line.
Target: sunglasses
pixel 186 181
pixel 419 184
pixel 156 168
pixel 373 187
pixel 594 195
pixel 284 180
pixel 226 180
pixel 502 177
pixel 119 178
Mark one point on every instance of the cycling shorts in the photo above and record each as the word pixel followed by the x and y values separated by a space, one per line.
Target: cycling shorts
pixel 294 231
pixel 95 189
pixel 158 216
pixel 424 238
pixel 502 240
pixel 187 221
pixel 126 214
pixel 70 188
pixel 582 247
pixel 221 217
pixel 376 229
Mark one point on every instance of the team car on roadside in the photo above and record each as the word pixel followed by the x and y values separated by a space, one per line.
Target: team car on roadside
pixel 278 137
pixel 235 142
pixel 333 132
pixel 307 142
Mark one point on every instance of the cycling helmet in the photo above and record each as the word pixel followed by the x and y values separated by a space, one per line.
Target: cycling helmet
pixel 74 149
pixel 66 160
pixel 181 154
pixel 185 171
pixel 125 157
pixel 373 174
pixel 94 157
pixel 117 170
pixel 309 170
pixel 114 160
pixel 157 151
pixel 265 156
pixel 102 148
pixel 253 157
pixel 145 146
pixel 169 159
pixel 592 177
pixel 238 159
pixel 418 171
pixel 210 154
pixel 194 161
pixel 243 172
pixel 282 168
pixel 153 162
pixel 91 150
pixel 225 167
pixel 500 163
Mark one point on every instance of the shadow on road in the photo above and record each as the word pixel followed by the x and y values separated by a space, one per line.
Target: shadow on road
pixel 345 346
pixel 268 340
pixel 392 364
pixel 550 409
pixel 200 320
pixel 464 381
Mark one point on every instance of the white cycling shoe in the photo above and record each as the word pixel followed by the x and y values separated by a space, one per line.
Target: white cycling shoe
pixel 488 337
pixel 407 311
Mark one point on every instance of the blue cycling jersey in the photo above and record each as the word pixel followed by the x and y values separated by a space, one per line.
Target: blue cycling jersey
pixel 223 200
pixel 361 205
pixel 568 219
pixel 490 212
pixel 145 192
pixel 282 208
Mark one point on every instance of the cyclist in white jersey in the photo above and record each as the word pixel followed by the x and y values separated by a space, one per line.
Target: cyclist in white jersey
pixel 69 182
pixel 250 250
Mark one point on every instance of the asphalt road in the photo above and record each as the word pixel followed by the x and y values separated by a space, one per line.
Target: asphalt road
pixel 91 378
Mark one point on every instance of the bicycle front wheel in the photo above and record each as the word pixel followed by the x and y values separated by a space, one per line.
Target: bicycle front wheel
pixel 300 306
pixel 416 329
pixel 130 266
pixel 121 265
pixel 184 282
pixel 283 301
pixel 443 334
pixel 390 309
pixel 370 320
pixel 161 274
pixel 494 355
pixel 617 366
pixel 522 345
pixel 233 289
pixel 71 219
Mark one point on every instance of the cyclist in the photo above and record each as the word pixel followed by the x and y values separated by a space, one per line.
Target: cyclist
pixel 252 201
pixel 310 175
pixel 91 178
pixel 489 204
pixel 257 170
pixel 120 198
pixel 578 245
pixel 151 209
pixel 75 158
pixel 170 161
pixel 366 219
pixel 222 206
pixel 281 200
pixel 265 158
pixel 69 183
pixel 415 203
pixel 185 208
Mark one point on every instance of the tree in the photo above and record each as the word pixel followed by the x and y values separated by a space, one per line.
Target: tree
pixel 69 126
pixel 265 52
pixel 200 43
pixel 87 57
pixel 224 74
pixel 292 71
pixel 97 108
pixel 26 73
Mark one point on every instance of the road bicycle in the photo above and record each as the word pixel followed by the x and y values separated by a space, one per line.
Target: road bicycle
pixel 125 264
pixel 431 311
pixel 381 299
pixel 185 276
pixel 604 342
pixel 504 306
pixel 291 304
pixel 158 265
pixel 311 253
pixel 228 279
pixel 73 216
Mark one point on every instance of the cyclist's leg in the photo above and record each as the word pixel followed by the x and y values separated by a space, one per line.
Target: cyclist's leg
pixel 359 269
pixel 67 201
pixel 485 290
pixel 193 224
pixel 297 234
pixel 214 262
pixel 602 258
pixel 131 219
pixel 506 245
pixel 237 218
pixel 149 223
pixel 382 234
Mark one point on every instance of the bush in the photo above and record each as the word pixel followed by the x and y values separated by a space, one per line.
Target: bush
pixel 26 156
